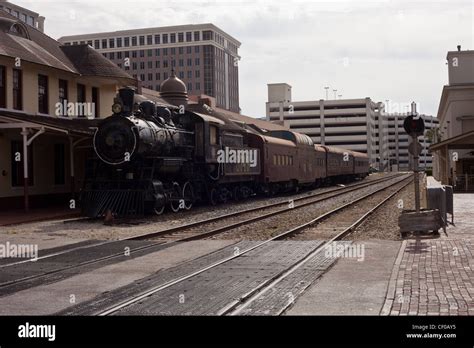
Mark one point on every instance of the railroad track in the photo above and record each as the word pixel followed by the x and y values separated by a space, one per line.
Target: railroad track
pixel 158 240
pixel 242 304
pixel 176 234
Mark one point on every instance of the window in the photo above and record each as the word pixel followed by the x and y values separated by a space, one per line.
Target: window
pixel 190 86
pixel 207 35
pixel 104 43
pixel 119 55
pixel 149 40
pixel 150 65
pixel 198 86
pixel 149 53
pixel 126 42
pixel 181 62
pixel 157 39
pixel 189 62
pixel 173 50
pixel 96 44
pixel 3 83
pixel 142 40
pixel 142 53
pixel 81 96
pixel 165 51
pixel 197 61
pixel 63 95
pixel 190 75
pixel 112 55
pixel 165 64
pixel 157 76
pixel 157 52
pixel 59 164
pixel 119 42
pixel 134 54
pixel 180 37
pixel 197 73
pixel 196 49
pixel 189 36
pixel 142 65
pixel 181 50
pixel 196 35
pixel 173 38
pixel 165 38
pixel 134 40
pixel 96 101
pixel 112 43
pixel 142 77
pixel 134 65
pixel 17 89
pixel 212 135
pixel 43 106
pixel 17 166
pixel 181 74
pixel 173 63
pixel 127 54
pixel 189 50
pixel 150 76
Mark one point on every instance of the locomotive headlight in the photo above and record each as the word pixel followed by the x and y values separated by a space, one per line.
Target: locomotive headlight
pixel 117 108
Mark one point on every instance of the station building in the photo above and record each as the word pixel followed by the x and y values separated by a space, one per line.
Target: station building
pixel 354 124
pixel 204 56
pixel 42 147
pixel 454 148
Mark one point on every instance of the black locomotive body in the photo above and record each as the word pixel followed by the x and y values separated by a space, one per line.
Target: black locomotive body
pixel 149 156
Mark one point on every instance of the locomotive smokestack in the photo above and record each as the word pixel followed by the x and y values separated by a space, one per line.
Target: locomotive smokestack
pixel 127 95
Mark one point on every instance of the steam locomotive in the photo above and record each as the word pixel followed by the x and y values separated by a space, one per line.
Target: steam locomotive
pixel 150 155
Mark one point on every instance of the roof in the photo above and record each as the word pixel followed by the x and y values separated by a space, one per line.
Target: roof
pixel 262 124
pixel 465 140
pixel 37 47
pixel 74 126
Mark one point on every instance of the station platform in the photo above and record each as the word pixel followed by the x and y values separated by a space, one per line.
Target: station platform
pixel 15 217
pixel 410 277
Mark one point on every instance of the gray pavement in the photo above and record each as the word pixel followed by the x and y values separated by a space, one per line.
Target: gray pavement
pixel 352 287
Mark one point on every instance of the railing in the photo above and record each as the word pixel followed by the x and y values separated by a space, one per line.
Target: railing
pixel 464 183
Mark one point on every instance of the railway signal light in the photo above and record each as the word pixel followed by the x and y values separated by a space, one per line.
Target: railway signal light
pixel 414 125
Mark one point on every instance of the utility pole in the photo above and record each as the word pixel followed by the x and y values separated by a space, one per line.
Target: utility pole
pixel 327 92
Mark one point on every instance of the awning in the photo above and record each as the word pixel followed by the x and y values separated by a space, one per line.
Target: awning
pixel 72 127
pixel 460 142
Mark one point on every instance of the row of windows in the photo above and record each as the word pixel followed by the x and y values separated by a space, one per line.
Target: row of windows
pixel 43 92
pixel 157 52
pixel 189 85
pixel 20 15
pixel 160 64
pixel 282 160
pixel 151 39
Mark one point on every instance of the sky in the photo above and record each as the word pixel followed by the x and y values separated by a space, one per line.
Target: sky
pixel 387 50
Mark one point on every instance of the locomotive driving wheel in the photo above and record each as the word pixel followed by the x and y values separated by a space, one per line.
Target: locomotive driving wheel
pixel 188 195
pixel 175 197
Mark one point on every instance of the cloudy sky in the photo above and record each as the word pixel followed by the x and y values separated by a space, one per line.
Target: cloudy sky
pixel 386 50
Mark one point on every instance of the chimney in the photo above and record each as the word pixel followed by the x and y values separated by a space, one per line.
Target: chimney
pixel 459 48
pixel 41 20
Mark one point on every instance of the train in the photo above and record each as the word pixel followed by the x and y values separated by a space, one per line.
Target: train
pixel 152 155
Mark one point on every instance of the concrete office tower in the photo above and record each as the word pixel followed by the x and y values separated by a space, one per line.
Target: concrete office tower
pixel 205 58
pixel 354 124
pixel 26 16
